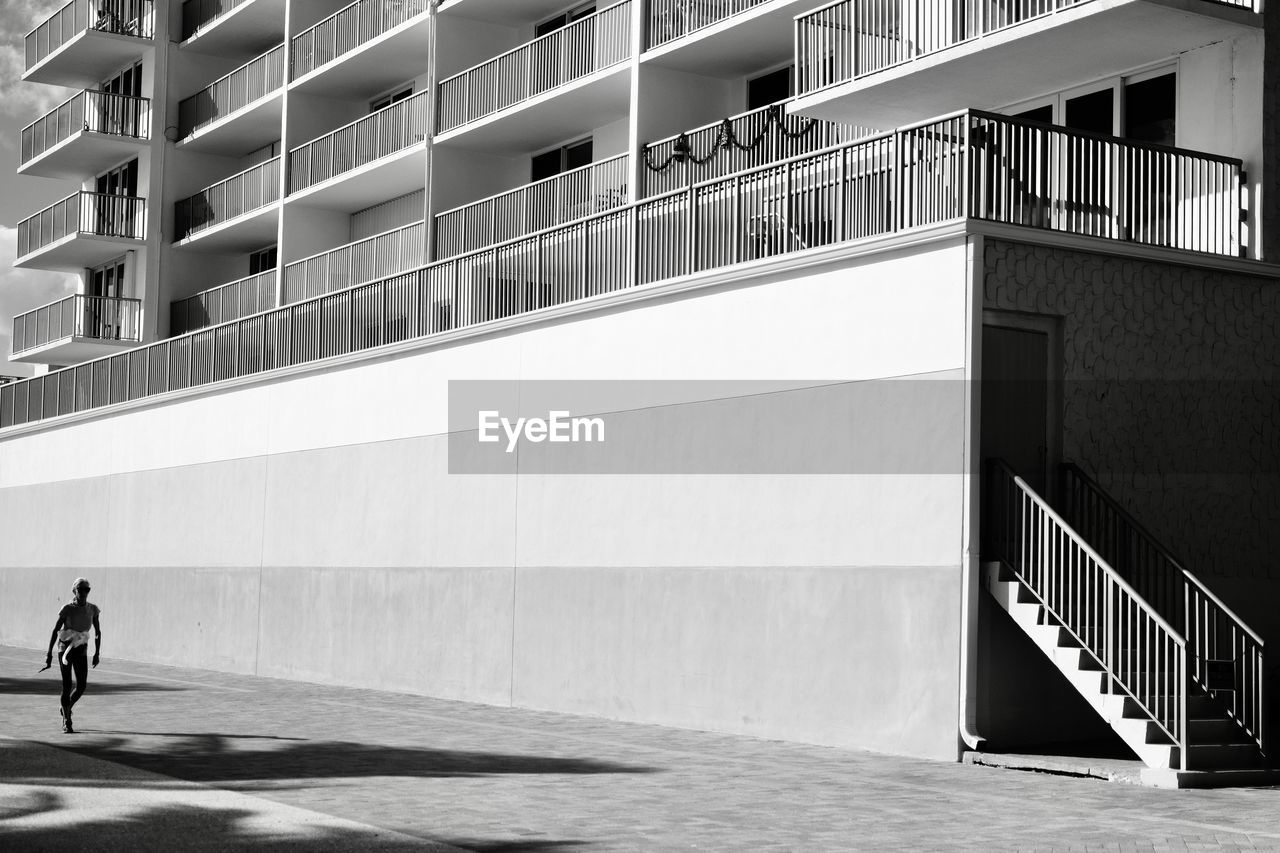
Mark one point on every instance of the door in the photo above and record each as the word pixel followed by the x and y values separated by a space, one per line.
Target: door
pixel 1019 400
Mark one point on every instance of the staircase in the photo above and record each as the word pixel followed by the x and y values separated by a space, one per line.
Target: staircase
pixel 1163 661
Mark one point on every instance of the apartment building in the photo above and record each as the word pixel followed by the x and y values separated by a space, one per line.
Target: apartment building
pixel 908 312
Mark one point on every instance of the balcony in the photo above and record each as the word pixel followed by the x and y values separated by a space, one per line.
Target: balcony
pixel 224 303
pixel 87 40
pixel 235 215
pixel 362 49
pixel 87 134
pixel 574 59
pixel 390 253
pixel 890 62
pixel 745 141
pixel 77 329
pixel 236 112
pixel 83 230
pixel 720 37
pixel 543 204
pixel 232 27
pixel 386 150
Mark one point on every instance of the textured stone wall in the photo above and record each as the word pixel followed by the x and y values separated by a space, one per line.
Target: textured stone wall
pixel 1170 400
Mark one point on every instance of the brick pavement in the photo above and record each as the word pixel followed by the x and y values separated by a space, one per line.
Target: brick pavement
pixel 239 761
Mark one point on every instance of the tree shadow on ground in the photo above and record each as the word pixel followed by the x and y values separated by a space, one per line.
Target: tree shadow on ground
pixel 50 686
pixel 190 828
pixel 216 758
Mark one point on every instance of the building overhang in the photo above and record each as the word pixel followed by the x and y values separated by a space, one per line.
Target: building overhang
pixel 76 252
pixel 244 233
pixel 86 59
pixel 740 44
pixel 85 152
pixel 246 31
pixel 384 178
pixel 247 129
pixel 509 12
pixel 375 66
pixel 1041 56
pixel 72 350
pixel 562 113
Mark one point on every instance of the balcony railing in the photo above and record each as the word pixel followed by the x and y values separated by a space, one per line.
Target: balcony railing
pixel 395 128
pixel 945 171
pixel 122 17
pixel 755 138
pixel 347 29
pixel 224 303
pixel 553 201
pixel 104 318
pixel 198 14
pixel 672 19
pixel 255 187
pixel 582 48
pixel 84 213
pixel 255 79
pixel 849 39
pixel 95 112
pixel 372 258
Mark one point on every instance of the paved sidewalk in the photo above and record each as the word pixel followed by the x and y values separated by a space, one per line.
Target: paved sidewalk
pixel 183 759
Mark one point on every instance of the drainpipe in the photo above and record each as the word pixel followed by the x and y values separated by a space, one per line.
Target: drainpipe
pixel 970 528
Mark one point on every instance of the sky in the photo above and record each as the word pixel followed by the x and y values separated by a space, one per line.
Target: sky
pixel 20 104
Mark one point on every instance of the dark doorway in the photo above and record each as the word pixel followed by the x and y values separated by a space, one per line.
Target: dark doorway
pixel 1018 400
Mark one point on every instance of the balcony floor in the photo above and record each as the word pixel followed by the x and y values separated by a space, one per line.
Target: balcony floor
pixel 245 233
pixel 246 129
pixel 1098 39
pixel 87 59
pixel 82 153
pixel 374 67
pixel 246 31
pixel 553 116
pixel 76 251
pixel 738 45
pixel 383 179
pixel 72 351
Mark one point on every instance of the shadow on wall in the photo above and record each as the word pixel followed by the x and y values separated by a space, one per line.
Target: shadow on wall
pixel 215 758
pixel 186 827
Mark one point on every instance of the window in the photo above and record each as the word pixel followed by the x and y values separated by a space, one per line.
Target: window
pixel 563 20
pixel 1150 109
pixel 122 180
pixel 262 260
pixel 126 82
pixel 387 100
pixel 115 214
pixel 561 159
pixel 1140 106
pixel 107 280
pixel 770 88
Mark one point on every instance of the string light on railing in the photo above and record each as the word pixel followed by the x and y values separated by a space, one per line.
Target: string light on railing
pixel 726 137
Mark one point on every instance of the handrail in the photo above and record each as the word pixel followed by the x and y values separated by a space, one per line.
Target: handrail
pixel 669 20
pixel 120 17
pixel 224 303
pixel 355 263
pixel 197 14
pixel 346 29
pixel 357 143
pixel 83 212
pixel 87 111
pixel 242 193
pixel 590 44
pixel 233 91
pixel 77 316
pixel 1138 650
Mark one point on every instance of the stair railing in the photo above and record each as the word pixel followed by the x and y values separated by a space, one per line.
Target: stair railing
pixel 1213 632
pixel 1141 654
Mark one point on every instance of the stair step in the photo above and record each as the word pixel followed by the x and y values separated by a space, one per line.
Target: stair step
pixel 1215 730
pixel 1224 756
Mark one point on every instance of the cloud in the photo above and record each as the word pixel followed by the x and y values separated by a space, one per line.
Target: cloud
pixel 22 290
pixel 24 101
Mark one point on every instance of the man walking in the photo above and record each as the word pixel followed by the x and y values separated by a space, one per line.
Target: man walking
pixel 72 636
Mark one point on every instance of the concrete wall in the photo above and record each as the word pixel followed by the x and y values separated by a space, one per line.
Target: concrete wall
pixel 310 528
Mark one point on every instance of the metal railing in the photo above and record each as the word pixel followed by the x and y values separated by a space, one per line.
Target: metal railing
pixel 1213 632
pixel 104 318
pixel 244 192
pixel 580 192
pixel 121 17
pixel 389 253
pixel 198 14
pixel 756 138
pixel 224 303
pixel 669 20
pixel 915 177
pixel 88 111
pixel 255 79
pixel 347 29
pixel 849 39
pixel 583 47
pixel 86 213
pixel 387 131
pixel 1139 651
